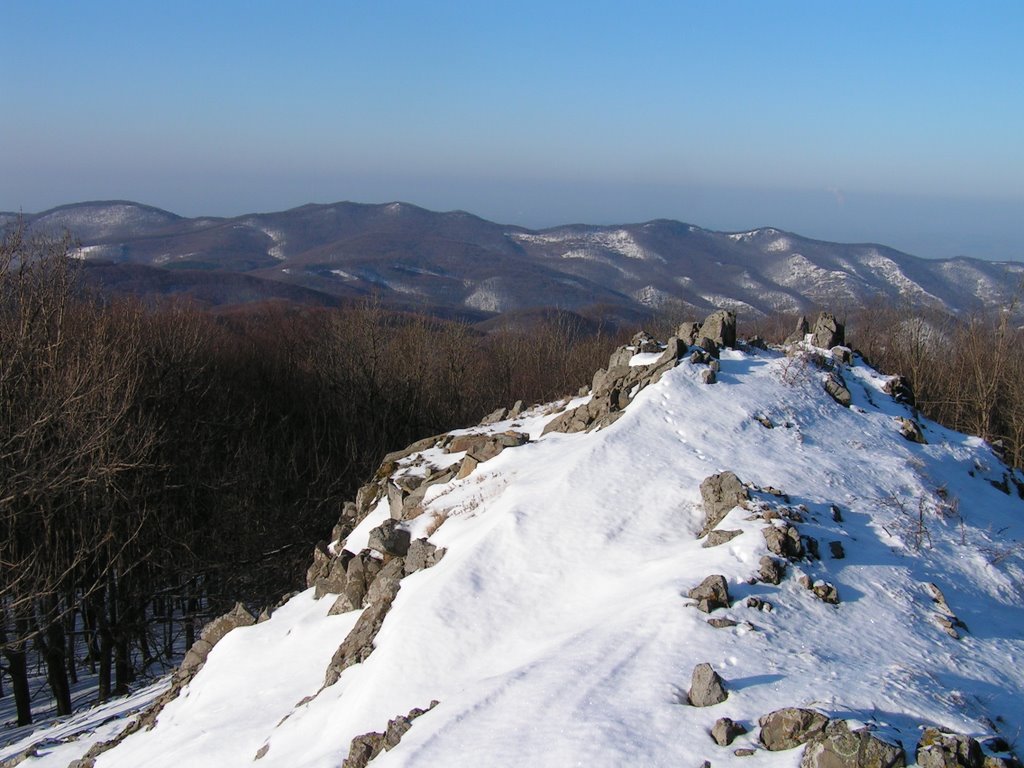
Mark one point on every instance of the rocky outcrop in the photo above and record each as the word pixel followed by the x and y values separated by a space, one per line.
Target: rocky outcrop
pixel 358 644
pixel 706 687
pixel 367 746
pixel 212 634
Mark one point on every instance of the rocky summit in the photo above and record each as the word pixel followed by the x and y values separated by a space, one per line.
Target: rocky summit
pixel 715 554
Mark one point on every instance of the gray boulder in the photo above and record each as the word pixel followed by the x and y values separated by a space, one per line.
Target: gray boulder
pixel 708 376
pixel 719 494
pixel 720 327
pixel 706 687
pixel 837 390
pixel 898 387
pixel 828 332
pixel 388 539
pixel 839 747
pixel 709 345
pixel 790 727
pixel 711 593
pixel 725 730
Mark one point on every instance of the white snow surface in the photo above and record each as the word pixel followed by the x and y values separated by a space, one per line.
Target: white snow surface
pixel 556 631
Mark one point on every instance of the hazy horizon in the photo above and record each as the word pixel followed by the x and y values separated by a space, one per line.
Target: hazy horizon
pixel 868 123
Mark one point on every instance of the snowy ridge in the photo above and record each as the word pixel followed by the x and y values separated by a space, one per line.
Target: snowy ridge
pixel 557 630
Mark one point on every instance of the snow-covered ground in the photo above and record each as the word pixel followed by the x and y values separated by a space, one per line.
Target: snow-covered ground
pixel 556 631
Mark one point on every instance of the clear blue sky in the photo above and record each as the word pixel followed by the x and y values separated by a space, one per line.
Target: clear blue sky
pixel 894 122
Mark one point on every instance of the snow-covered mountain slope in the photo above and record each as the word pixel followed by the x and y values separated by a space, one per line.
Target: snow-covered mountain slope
pixel 557 629
pixel 412 257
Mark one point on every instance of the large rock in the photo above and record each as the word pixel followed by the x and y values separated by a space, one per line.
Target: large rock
pixel 706 687
pixel 839 747
pixel 711 593
pixel 720 327
pixel 828 332
pixel 790 727
pixel 939 748
pixel 720 493
pixel 388 539
pixel 717 538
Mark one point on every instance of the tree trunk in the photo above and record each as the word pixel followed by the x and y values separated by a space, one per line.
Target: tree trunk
pixel 17 668
pixel 51 643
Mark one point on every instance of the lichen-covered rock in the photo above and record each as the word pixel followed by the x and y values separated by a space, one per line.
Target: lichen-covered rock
pixel 938 748
pixel 706 687
pixel 790 727
pixel 721 493
pixel 839 747
pixel 711 593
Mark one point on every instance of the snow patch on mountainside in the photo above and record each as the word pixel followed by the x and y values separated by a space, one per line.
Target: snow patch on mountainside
pixel 653 297
pixel 891 273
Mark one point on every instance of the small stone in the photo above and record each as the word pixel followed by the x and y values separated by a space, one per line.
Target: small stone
pixel 836 549
pixel 837 515
pixel 725 730
pixel 743 752
pixel 722 623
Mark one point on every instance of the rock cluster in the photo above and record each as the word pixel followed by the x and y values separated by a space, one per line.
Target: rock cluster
pixel 367 746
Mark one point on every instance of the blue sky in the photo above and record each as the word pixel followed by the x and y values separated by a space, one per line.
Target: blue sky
pixel 901 123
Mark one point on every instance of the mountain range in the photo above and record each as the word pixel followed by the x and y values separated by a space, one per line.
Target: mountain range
pixel 459 264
